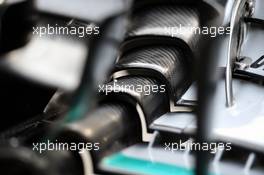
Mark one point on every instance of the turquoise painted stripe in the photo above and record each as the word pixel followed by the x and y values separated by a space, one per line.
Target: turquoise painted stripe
pixel 138 166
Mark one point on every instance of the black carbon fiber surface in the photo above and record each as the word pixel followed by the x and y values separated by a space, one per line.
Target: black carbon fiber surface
pixel 140 3
pixel 156 21
pixel 115 113
pixel 153 104
pixel 167 62
pixel 110 121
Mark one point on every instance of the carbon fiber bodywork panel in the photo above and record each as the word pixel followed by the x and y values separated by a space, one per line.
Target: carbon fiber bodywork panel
pixel 165 63
pixel 153 25
pixel 153 105
pixel 107 123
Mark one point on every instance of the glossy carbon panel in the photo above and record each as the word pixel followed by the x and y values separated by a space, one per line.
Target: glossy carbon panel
pixel 140 90
pixel 140 3
pixel 107 125
pixel 168 21
pixel 162 62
